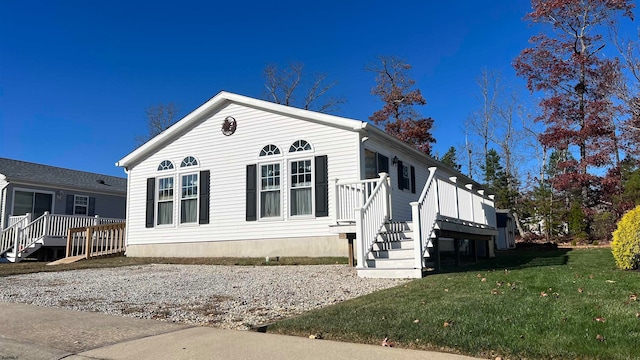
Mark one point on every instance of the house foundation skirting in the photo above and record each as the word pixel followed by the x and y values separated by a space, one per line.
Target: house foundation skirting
pixel 310 246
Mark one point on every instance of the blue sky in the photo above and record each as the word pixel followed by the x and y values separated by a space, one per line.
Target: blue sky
pixel 77 76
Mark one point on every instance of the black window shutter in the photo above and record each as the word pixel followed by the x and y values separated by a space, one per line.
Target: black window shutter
pixel 204 197
pixel 322 186
pixel 383 164
pixel 400 175
pixel 413 180
pixel 92 206
pixel 151 191
pixel 252 196
pixel 69 205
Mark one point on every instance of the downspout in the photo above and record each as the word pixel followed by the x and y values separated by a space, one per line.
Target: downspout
pixel 3 200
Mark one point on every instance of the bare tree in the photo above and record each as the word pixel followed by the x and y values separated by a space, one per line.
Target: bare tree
pixel 289 86
pixel 482 122
pixel 159 118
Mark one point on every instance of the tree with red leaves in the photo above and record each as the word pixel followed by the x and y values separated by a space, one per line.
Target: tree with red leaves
pixel 567 66
pixel 398 115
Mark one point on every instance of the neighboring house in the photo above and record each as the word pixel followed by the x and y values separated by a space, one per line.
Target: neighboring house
pixel 243 177
pixel 506 224
pixel 56 197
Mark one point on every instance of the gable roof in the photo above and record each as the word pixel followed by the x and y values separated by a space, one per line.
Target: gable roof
pixel 22 171
pixel 221 99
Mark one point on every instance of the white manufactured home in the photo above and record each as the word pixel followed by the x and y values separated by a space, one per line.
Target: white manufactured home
pixel 243 177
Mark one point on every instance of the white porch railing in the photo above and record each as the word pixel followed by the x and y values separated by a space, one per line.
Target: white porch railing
pixel 371 217
pixel 24 233
pixel 425 213
pixel 444 199
pixel 351 195
pixel 18 219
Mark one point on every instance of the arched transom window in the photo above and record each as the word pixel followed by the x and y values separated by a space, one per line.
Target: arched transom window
pixel 189 161
pixel 300 145
pixel 270 150
pixel 165 165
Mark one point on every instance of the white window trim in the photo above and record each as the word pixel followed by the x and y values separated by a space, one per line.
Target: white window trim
pixel 75 198
pixel 305 155
pixel 277 160
pixel 179 196
pixel 157 201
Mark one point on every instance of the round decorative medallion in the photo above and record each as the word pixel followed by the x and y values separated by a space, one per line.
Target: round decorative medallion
pixel 229 126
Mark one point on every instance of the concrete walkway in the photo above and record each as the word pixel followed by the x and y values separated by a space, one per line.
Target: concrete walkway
pixel 38 333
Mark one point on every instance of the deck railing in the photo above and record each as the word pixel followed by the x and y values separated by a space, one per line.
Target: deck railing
pixel 443 198
pixel 351 195
pixel 23 233
pixel 95 241
pixel 14 219
pixel 371 217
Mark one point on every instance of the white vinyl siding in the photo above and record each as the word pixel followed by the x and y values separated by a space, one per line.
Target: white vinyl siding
pixel 227 158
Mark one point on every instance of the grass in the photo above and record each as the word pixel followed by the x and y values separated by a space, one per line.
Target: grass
pixel 27 267
pixel 557 303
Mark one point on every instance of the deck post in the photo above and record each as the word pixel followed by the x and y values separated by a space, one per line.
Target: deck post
pixel 45 225
pixel 456 250
pixel 336 199
pixel 417 234
pixel 386 195
pixel 436 250
pixel 96 220
pixel 87 249
pixel 69 237
pixel 359 241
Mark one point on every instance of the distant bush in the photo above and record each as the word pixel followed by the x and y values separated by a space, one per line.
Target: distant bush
pixel 626 240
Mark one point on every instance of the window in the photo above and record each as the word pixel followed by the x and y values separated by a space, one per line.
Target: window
pixel 165 201
pixel 374 164
pixel 406 181
pixel 299 145
pixel 189 199
pixel 270 190
pixel 165 165
pixel 189 161
pixel 301 188
pixel 31 202
pixel 81 205
pixel 270 150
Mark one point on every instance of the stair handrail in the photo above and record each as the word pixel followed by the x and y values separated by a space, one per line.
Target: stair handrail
pixel 371 217
pixel 30 234
pixel 8 235
pixel 425 213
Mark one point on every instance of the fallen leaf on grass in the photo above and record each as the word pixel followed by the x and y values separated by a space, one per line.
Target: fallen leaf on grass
pixel 611 281
pixel 580 290
pixel 495 292
pixel 591 276
pixel 386 343
pixel 448 323
pixel 416 321
pixel 638 314
pixel 483 279
pixel 543 294
pixel 499 283
pixel 478 276
pixel 446 290
pixel 633 297
pixel 317 336
pixel 600 337
pixel 600 319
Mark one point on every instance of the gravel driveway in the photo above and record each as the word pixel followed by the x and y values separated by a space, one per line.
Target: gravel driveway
pixel 232 297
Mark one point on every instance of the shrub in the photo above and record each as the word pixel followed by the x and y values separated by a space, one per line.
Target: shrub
pixel 626 240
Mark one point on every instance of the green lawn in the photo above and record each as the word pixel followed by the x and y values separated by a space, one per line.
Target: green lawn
pixel 557 303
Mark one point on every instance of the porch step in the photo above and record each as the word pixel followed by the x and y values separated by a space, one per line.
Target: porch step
pixel 380 263
pixel 390 273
